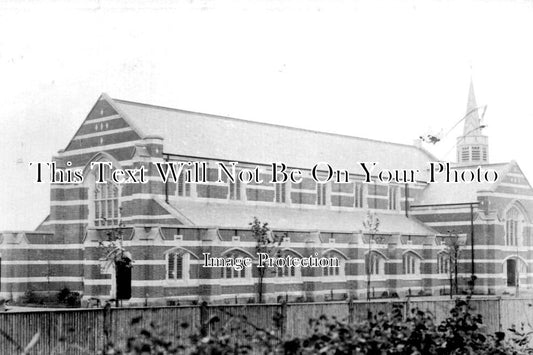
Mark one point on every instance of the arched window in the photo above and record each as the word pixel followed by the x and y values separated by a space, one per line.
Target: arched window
pixel 289 270
pixel 375 263
pixel 411 264
pixel 334 269
pixel 231 272
pixel 106 199
pixel 513 227
pixel 178 265
pixel 443 263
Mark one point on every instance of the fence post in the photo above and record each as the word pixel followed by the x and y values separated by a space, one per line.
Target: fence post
pixel 107 324
pixel 499 313
pixel 283 318
pixel 204 319
pixel 350 311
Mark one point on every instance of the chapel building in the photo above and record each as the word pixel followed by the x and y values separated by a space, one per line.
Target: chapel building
pixel 167 227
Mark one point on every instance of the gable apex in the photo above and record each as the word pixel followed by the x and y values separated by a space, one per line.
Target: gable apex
pixel 105 123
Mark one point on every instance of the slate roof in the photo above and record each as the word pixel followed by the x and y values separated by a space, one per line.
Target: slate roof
pixel 224 215
pixel 441 192
pixel 222 138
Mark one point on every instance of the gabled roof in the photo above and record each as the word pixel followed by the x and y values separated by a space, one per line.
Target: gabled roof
pixel 222 138
pixel 442 192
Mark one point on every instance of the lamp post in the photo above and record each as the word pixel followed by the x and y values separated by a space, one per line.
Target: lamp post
pixel 371 224
pixel 472 242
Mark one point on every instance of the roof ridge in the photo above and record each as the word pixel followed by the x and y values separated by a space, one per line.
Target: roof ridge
pixel 273 125
pixel 476 165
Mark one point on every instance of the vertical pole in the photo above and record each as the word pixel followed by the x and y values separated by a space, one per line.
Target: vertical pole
pixel 472 244
pixel 451 274
pixel 456 259
pixel 108 322
pixel 517 275
pixel 351 317
pixel 166 183
pixel 283 329
pixel 406 196
pixel 499 313
pixel 368 267
pixel 204 319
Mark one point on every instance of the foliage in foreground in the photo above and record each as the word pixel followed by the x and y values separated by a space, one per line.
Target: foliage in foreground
pixel 416 333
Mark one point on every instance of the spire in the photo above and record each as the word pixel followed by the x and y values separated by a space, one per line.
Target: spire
pixel 472 120
pixel 472 146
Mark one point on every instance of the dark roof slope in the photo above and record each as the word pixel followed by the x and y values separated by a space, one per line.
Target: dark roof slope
pixel 216 137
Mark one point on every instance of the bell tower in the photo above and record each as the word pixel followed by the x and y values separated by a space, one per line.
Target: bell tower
pixel 472 146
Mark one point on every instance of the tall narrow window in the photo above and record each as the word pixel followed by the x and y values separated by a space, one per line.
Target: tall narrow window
pixel 232 272
pixel 375 264
pixel 178 266
pixel 281 193
pixel 334 269
pixel 411 264
pixel 393 197
pixel 235 189
pixel 106 201
pixel 513 227
pixel 321 194
pixel 171 266
pixel 184 188
pixel 286 271
pixel 358 195
pixel 443 263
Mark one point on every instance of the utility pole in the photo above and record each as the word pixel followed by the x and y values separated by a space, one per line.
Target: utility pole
pixel 472 244
pixel 472 233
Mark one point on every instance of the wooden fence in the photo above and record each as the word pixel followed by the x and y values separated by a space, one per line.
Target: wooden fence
pixel 84 331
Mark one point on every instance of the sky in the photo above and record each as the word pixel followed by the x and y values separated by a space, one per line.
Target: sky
pixel 387 70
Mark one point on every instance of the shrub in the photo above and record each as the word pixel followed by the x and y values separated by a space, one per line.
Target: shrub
pixel 31 296
pixel 69 298
pixel 461 333
pixel 63 294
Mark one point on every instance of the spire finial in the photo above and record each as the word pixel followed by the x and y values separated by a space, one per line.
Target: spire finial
pixel 472 120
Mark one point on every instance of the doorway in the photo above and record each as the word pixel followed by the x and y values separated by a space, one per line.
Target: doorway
pixel 511 272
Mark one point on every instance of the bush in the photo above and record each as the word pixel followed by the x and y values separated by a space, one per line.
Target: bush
pixel 69 298
pixel 32 297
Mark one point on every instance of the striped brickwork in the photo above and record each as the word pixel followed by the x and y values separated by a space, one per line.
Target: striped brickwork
pixel 65 253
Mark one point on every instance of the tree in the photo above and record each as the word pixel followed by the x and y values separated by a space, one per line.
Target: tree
pixel 268 243
pixel 371 224
pixel 116 257
pixel 453 243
